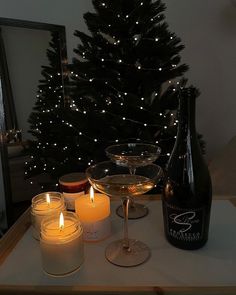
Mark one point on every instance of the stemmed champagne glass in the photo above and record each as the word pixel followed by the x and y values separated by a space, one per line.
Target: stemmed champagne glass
pixel 114 180
pixel 133 155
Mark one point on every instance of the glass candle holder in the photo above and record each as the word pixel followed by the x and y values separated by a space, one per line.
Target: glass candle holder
pixel 62 248
pixel 43 205
pixel 72 186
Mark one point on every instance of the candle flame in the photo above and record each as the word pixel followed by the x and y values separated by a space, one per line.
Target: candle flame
pixel 91 194
pixel 61 221
pixel 48 199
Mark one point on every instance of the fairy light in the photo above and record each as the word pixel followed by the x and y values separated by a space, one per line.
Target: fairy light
pixel 142 98
pixel 156 39
pixel 137 23
pixel 160 69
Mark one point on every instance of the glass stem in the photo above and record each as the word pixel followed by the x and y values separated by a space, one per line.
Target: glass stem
pixel 125 204
pixel 132 170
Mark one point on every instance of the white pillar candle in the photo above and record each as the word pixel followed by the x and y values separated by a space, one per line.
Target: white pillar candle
pixel 94 213
pixel 43 205
pixel 61 244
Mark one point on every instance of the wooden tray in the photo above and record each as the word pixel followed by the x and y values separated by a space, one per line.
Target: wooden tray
pixel 210 270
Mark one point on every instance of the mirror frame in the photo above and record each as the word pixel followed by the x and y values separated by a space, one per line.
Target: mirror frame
pixel 6 98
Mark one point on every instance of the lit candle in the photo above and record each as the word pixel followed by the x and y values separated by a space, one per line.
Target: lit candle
pixel 94 213
pixel 44 205
pixel 61 244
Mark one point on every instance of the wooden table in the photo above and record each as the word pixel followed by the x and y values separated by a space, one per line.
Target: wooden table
pixel 11 244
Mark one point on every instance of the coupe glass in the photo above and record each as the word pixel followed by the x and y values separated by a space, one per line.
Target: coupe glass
pixel 114 180
pixel 133 155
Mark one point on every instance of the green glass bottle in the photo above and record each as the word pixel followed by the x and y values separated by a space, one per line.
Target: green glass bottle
pixel 187 192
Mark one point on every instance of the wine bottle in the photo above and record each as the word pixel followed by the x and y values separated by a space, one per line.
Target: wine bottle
pixel 187 191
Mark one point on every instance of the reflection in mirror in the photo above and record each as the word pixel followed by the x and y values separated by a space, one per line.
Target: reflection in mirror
pixel 23 48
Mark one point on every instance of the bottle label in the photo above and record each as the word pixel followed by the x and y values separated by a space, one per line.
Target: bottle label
pixel 185 224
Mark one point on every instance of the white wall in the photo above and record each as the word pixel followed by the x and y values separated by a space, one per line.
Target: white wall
pixel 208 30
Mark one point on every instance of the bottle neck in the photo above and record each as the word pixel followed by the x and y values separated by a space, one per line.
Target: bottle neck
pixel 186 116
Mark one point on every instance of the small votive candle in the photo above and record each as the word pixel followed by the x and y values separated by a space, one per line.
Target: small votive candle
pixel 61 244
pixel 43 205
pixel 72 186
pixel 94 213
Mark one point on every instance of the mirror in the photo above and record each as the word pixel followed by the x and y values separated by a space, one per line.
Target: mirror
pixel 23 52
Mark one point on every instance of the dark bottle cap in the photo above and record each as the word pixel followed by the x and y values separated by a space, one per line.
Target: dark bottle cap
pixel 73 182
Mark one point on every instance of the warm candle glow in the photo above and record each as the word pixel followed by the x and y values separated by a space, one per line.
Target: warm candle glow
pixel 91 194
pixel 61 221
pixel 48 199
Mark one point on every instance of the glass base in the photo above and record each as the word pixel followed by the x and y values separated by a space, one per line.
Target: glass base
pixel 136 211
pixel 136 255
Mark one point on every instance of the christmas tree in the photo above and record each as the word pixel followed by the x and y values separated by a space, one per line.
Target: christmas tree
pixel 52 134
pixel 125 83
pixel 125 78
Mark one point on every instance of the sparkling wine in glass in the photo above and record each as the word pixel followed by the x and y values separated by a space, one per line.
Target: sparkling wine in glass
pixel 115 180
pixel 133 155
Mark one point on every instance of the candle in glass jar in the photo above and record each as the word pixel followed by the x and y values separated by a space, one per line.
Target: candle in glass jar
pixel 94 213
pixel 61 244
pixel 44 205
pixel 72 186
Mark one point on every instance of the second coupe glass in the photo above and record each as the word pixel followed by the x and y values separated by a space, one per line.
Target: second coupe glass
pixel 133 155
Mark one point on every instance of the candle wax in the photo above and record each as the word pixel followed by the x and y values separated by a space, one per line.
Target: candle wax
pixel 89 211
pixel 45 206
